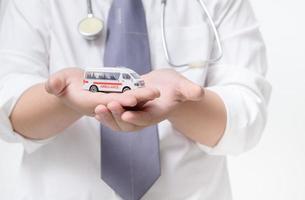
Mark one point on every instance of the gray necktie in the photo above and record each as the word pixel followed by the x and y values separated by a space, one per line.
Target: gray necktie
pixel 130 161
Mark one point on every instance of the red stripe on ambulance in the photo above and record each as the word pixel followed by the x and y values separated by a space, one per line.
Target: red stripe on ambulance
pixel 106 83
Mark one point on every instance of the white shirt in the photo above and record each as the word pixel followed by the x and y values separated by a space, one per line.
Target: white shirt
pixel 40 37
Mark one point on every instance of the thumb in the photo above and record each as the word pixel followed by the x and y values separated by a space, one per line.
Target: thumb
pixel 191 91
pixel 56 84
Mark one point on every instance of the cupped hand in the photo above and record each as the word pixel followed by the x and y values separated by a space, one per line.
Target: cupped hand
pixel 174 88
pixel 67 86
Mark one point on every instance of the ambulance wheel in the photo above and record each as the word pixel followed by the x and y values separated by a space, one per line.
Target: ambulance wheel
pixel 126 89
pixel 93 88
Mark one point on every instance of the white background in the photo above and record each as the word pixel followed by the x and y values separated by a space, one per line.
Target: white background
pixel 276 168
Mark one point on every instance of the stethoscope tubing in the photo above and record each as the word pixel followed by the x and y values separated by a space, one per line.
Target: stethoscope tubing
pixel 164 38
pixel 212 24
pixel 89 8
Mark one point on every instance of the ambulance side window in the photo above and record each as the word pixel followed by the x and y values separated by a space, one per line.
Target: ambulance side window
pixel 126 76
pixel 101 75
pixel 93 75
pixel 112 76
pixel 90 75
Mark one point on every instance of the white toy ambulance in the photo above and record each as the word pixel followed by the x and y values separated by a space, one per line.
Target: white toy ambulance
pixel 111 79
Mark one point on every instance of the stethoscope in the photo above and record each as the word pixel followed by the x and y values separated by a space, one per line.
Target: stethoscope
pixel 91 27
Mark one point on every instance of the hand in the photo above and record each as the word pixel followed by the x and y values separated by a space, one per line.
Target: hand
pixel 175 89
pixel 67 85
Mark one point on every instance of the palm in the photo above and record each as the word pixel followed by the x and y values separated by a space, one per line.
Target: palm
pixel 75 96
pixel 168 82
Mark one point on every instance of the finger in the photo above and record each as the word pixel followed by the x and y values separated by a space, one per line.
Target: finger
pixel 143 95
pixel 117 110
pixel 105 117
pixel 102 98
pixel 128 99
pixel 56 84
pixel 139 118
pixel 191 91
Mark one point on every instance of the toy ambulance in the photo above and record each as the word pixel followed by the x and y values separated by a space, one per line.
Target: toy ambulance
pixel 111 79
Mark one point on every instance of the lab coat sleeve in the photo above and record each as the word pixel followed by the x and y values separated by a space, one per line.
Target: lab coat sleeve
pixel 239 78
pixel 23 60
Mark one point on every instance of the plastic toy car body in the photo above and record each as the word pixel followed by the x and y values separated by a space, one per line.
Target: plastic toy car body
pixel 111 79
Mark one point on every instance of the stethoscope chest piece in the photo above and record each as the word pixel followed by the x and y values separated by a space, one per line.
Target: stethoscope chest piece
pixel 90 27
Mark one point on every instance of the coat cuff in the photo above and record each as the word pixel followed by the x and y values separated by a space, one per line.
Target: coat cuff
pixel 10 92
pixel 230 143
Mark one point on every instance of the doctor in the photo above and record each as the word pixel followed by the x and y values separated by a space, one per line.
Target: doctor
pixel 201 113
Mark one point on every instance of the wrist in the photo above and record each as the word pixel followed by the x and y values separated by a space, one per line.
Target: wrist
pixel 181 108
pixel 63 105
pixel 178 111
pixel 174 114
pixel 74 110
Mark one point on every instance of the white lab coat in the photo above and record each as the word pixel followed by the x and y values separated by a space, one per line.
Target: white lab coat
pixel 39 37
